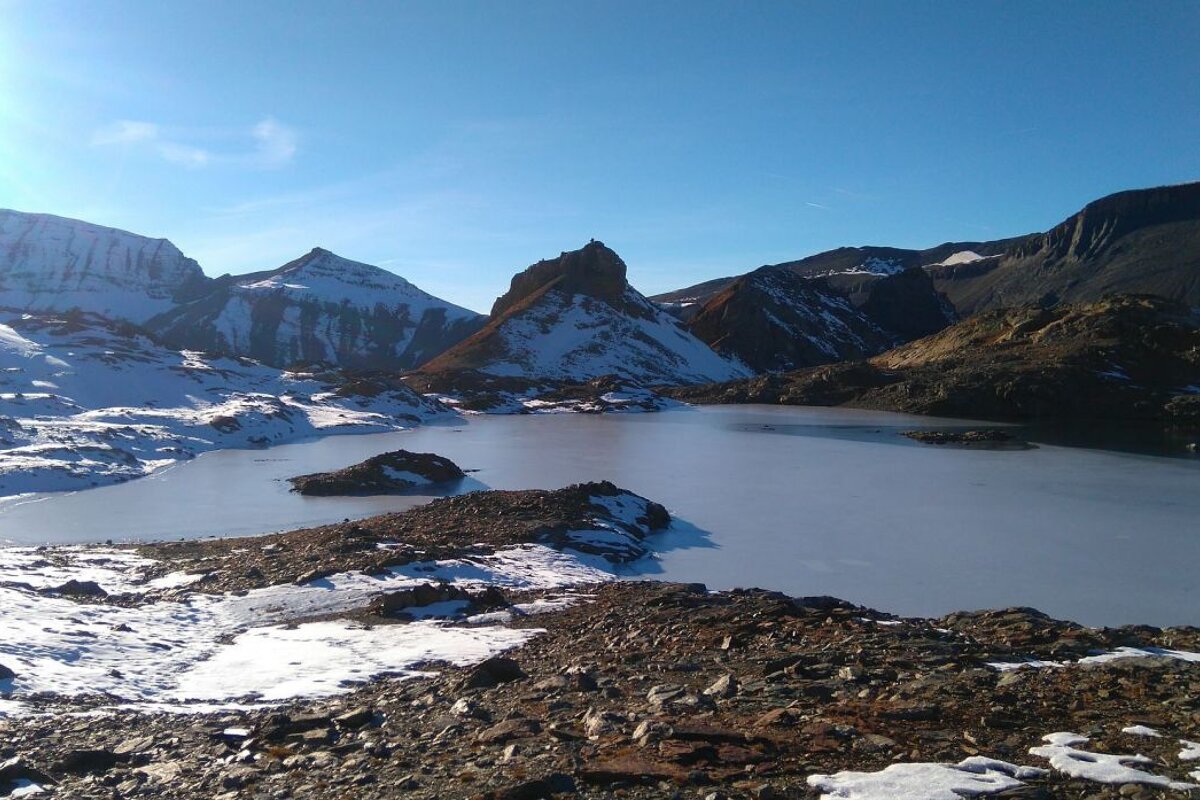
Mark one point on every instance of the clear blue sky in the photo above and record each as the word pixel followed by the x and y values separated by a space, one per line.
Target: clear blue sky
pixel 457 142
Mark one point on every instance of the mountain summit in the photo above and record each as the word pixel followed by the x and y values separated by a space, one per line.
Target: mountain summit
pixel 574 318
pixel 319 308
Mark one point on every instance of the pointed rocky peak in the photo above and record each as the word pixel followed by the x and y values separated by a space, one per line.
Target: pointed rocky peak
pixel 594 270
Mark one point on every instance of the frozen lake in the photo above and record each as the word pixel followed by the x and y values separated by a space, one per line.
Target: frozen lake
pixel 804 500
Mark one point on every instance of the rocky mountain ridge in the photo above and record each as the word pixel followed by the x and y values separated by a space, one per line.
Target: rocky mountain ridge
pixel 320 308
pixel 1123 357
pixel 1142 241
pixel 575 318
pixel 774 320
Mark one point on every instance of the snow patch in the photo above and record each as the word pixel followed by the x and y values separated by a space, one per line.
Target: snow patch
pixel 972 777
pixel 1108 768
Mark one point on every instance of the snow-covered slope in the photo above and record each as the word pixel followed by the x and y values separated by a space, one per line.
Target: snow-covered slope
pixel 53 263
pixel 319 308
pixel 575 318
pixel 84 401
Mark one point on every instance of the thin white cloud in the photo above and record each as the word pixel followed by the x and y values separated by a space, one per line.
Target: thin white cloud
pixel 273 143
pixel 276 142
pixel 194 157
pixel 811 204
pixel 125 131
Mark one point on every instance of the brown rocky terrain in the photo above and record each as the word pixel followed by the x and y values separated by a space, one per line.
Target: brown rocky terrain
pixel 662 691
pixel 1123 357
pixel 450 526
pixel 386 473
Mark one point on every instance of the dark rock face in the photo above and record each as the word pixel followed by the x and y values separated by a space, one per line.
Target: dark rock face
pixel 388 473
pixel 772 320
pixel 907 305
pixel 594 270
pixel 1124 357
pixel 1145 241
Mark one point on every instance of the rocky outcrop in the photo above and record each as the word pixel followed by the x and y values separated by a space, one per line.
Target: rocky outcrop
pixel 774 320
pixel 575 318
pixel 1124 357
pixel 320 308
pixel 387 473
pixel 50 263
pixel 594 270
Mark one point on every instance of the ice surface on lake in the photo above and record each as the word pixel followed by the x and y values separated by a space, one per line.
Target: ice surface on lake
pixel 803 500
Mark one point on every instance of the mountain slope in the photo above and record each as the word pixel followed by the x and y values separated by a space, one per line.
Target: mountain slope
pixel 1145 241
pixel 1123 357
pixel 85 401
pixel 852 269
pixel 774 320
pixel 575 318
pixel 319 308
pixel 50 263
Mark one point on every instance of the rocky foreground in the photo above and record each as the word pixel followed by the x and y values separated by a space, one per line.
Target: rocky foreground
pixel 640 689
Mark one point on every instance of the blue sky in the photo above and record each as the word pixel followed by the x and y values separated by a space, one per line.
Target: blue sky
pixel 457 142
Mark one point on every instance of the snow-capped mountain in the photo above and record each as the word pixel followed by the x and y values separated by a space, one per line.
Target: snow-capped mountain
pixel 574 318
pixel 85 401
pixel 50 263
pixel 319 308
pixel 774 320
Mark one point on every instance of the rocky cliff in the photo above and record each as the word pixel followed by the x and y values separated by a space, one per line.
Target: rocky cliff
pixel 1144 241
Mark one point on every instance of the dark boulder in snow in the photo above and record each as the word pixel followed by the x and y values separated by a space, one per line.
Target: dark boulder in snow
pixel 74 588
pixel 387 473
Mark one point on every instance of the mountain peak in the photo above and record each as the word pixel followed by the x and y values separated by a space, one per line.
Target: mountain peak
pixel 594 270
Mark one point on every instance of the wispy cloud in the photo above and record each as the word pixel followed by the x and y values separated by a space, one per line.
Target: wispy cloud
pixel 275 142
pixel 811 204
pixel 268 144
pixel 125 132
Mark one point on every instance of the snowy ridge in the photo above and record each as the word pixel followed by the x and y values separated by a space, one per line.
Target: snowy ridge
pixel 325 277
pixel 320 308
pixel 871 266
pixel 84 402
pixel 576 337
pixel 50 263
